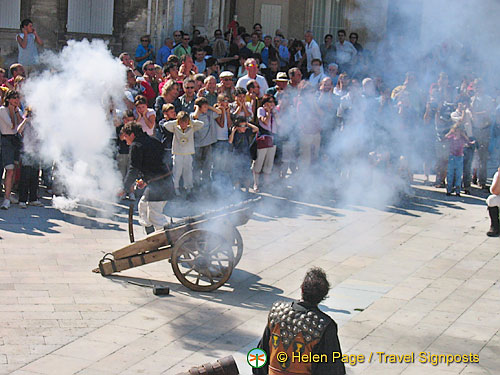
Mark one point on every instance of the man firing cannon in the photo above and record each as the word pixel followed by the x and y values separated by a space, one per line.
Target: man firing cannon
pixel 147 170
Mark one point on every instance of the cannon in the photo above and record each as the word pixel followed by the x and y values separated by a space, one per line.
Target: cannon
pixel 223 366
pixel 203 250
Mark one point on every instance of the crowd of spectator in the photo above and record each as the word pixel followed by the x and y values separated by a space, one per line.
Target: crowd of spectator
pixel 244 110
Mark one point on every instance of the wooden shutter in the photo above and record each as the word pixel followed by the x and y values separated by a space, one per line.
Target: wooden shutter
pixel 270 18
pixel 90 16
pixel 10 14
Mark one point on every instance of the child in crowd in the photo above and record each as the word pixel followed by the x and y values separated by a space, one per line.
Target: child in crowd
pixel 183 129
pixel 28 185
pixel 204 139
pixel 146 117
pixel 240 139
pixel 457 140
pixel 163 135
pixel 221 147
pixel 122 156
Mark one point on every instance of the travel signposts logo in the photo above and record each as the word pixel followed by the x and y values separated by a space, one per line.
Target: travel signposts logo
pixel 256 358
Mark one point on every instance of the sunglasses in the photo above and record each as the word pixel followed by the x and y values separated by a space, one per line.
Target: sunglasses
pixel 190 88
pixel 150 69
pixel 186 39
pixel 178 35
pixel 227 79
pixel 251 65
pixel 144 40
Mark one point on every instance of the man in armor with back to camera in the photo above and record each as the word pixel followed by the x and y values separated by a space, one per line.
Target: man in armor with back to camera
pixel 300 328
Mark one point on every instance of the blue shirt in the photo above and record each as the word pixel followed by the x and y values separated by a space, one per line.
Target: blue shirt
pixel 141 52
pixel 284 55
pixel 265 55
pixel 163 53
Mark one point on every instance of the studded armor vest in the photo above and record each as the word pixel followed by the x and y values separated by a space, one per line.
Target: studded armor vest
pixel 294 330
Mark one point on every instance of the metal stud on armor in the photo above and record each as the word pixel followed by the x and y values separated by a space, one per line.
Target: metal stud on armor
pixel 293 330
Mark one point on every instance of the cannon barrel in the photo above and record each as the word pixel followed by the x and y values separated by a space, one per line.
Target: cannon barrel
pixel 223 366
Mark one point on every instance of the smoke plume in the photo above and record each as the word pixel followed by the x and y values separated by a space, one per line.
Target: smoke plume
pixel 70 102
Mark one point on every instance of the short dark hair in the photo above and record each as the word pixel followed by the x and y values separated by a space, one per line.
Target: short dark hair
pixel 268 98
pixel 25 23
pixel 238 120
pixel 167 67
pixel 132 127
pixel 315 286
pixel 317 60
pixel 240 91
pixel 174 59
pixel 140 99
pixel 201 101
pixel 341 31
pixel 251 84
pixel 257 24
pixel 328 35
pixel 211 61
pixel 354 34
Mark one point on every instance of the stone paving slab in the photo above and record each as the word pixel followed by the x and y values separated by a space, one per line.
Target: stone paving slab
pixel 416 277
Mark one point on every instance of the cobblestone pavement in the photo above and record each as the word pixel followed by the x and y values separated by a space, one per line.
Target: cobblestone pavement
pixel 417 277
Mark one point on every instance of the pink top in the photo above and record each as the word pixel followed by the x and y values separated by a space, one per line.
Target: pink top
pixel 457 143
pixel 261 112
pixel 145 128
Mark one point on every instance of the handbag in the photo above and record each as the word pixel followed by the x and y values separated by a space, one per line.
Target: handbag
pixel 264 141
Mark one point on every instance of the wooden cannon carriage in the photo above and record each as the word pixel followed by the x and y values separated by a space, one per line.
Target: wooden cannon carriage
pixel 203 250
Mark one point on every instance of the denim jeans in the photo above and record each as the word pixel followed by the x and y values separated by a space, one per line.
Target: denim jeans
pixel 455 170
pixel 467 177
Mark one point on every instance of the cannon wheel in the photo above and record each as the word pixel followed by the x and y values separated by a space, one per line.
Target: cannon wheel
pixel 202 260
pixel 237 246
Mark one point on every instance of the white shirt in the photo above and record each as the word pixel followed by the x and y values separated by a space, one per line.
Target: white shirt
pixel 312 52
pixel 146 129
pixel 242 82
pixel 456 116
pixel 6 127
pixel 222 133
pixel 314 79
pixel 345 52
pixel 27 56
pixel 183 142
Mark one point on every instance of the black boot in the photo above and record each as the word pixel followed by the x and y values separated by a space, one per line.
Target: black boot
pixel 151 229
pixel 495 225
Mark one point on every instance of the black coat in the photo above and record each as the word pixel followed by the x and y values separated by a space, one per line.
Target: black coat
pixel 147 162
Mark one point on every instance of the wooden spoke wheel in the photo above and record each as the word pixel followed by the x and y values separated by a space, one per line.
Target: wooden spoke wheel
pixel 202 260
pixel 237 246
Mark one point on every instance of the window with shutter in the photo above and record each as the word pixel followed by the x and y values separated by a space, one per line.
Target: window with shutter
pixel 90 16
pixel 10 14
pixel 328 17
pixel 199 12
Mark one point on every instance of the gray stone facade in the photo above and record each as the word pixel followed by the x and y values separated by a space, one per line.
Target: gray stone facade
pixel 131 19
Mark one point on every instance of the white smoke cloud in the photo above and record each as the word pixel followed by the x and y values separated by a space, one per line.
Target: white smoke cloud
pixel 71 102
